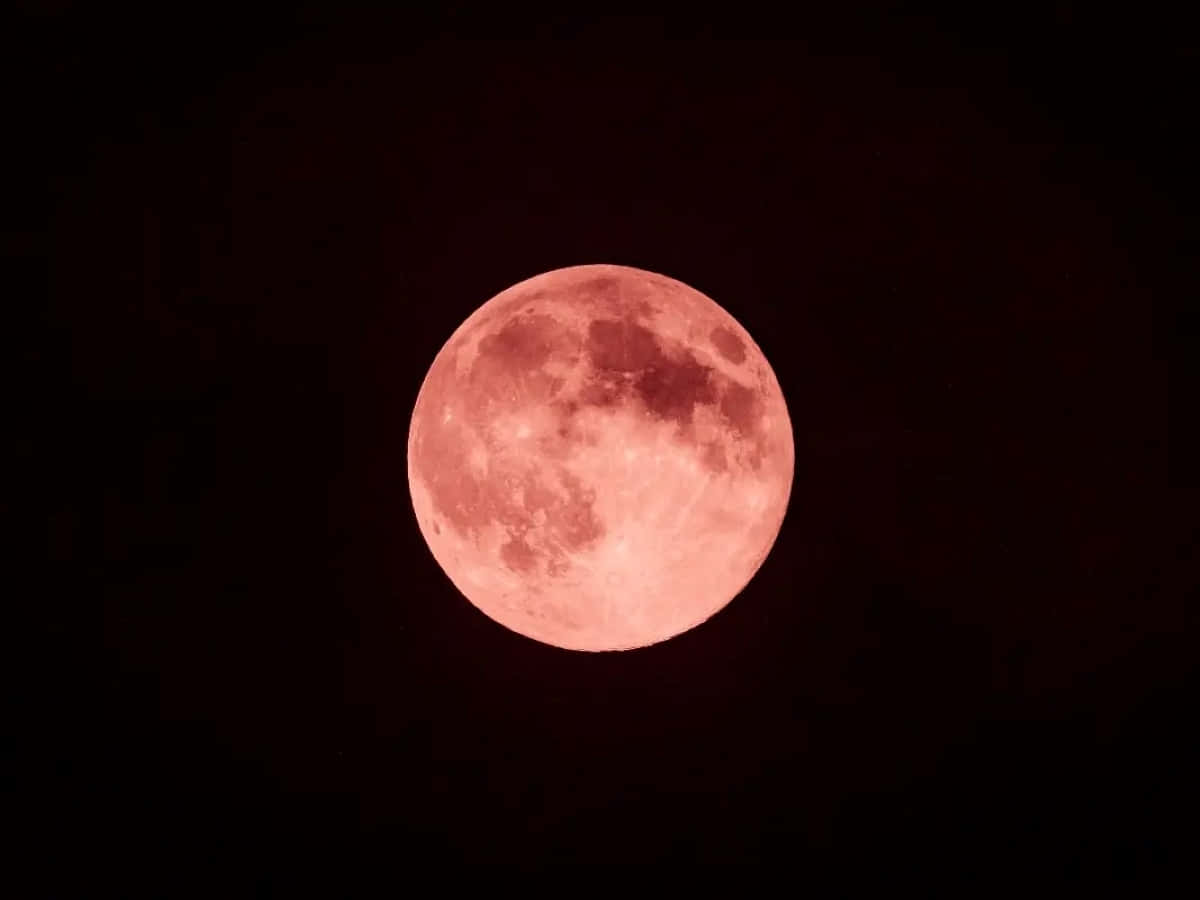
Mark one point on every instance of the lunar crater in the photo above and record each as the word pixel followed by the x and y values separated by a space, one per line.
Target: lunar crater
pixel 728 344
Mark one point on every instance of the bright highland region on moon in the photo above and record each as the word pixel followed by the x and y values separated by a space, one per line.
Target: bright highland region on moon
pixel 600 458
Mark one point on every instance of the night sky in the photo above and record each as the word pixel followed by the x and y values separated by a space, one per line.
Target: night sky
pixel 959 244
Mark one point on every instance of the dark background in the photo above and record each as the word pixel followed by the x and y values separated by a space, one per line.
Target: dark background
pixel 960 242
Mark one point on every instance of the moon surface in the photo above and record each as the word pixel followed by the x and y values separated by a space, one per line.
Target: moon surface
pixel 600 458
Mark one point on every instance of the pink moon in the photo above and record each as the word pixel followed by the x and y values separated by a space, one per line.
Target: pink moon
pixel 600 458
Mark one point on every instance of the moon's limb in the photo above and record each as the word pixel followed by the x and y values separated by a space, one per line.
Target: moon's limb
pixel 600 458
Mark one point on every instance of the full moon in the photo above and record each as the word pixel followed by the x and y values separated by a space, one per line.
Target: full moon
pixel 600 458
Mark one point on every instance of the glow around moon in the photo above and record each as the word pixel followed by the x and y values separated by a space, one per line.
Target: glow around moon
pixel 600 458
